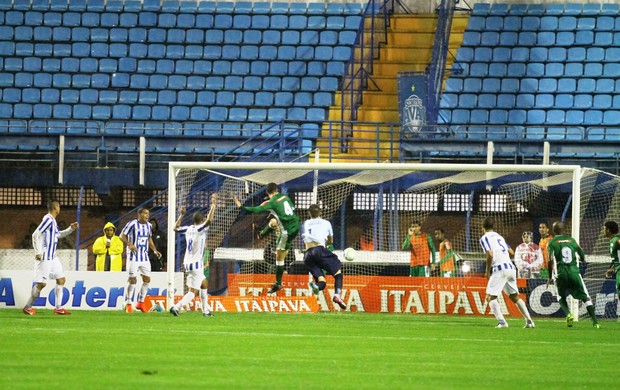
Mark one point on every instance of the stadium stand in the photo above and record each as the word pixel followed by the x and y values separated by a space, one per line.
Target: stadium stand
pixel 213 62
pixel 545 71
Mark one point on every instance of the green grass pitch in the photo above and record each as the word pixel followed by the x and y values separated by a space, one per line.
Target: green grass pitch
pixel 115 350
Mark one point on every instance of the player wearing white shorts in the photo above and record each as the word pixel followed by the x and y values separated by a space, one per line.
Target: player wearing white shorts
pixel 193 261
pixel 47 265
pixel 501 273
pixel 136 236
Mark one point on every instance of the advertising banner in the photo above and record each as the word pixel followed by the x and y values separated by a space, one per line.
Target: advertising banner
pixel 270 304
pixel 386 294
pixel 83 289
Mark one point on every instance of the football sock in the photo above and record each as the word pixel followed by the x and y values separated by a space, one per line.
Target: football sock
pixel 58 291
pixel 34 294
pixel 130 290
pixel 207 272
pixel 187 298
pixel 279 273
pixel 564 306
pixel 496 310
pixel 204 298
pixel 590 309
pixel 523 309
pixel 338 283
pixel 143 291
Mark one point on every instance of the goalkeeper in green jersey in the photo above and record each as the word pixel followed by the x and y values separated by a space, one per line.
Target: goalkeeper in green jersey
pixel 283 211
pixel 564 270
pixel 611 232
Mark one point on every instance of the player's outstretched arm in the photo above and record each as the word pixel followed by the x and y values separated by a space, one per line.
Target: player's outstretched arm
pixel 177 224
pixel 211 212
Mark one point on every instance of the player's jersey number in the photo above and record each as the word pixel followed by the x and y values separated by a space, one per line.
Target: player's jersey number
pixel 567 255
pixel 288 209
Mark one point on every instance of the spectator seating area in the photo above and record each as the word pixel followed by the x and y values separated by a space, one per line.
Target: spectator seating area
pixel 538 72
pixel 92 66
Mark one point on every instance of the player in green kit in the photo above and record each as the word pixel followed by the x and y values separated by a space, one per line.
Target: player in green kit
pixel 283 211
pixel 611 232
pixel 564 270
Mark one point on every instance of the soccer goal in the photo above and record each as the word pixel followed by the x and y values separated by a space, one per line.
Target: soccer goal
pixel 372 207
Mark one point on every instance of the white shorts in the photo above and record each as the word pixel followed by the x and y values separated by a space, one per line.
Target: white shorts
pixel 46 270
pixel 194 278
pixel 138 267
pixel 505 279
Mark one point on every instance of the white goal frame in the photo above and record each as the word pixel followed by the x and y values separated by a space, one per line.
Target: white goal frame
pixel 175 166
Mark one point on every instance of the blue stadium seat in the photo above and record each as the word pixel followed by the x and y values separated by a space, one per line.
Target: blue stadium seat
pixel 584 38
pixel 177 82
pixel 264 99
pixel 525 100
pixel 252 83
pixel 593 117
pixel 283 99
pixel 205 98
pixel 489 38
pixel 565 38
pixel 584 101
pixel 244 99
pixel 610 9
pixel 476 23
pixel 564 101
pixel 611 118
pixel 510 23
pixel 472 85
pixel 509 85
pixel 471 38
pixel 278 68
pixel 506 101
pixel 567 85
pixel 527 38
pixel 218 114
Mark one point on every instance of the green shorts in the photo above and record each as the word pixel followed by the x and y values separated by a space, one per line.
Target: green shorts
pixel 544 273
pixel 418 270
pixel 571 283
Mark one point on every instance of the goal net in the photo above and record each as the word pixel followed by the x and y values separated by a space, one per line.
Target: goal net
pixel 372 207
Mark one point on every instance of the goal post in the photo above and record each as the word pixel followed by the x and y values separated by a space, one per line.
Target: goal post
pixel 371 207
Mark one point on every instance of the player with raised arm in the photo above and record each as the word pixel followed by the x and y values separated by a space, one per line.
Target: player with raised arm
pixel 318 235
pixel 193 262
pixel 283 210
pixel 501 273
pixel 564 271
pixel 611 232
pixel 528 256
pixel 47 265
pixel 137 237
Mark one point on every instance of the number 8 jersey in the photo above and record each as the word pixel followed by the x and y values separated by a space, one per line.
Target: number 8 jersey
pixel 195 241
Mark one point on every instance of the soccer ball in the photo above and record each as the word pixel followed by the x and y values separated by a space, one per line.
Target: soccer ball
pixel 350 254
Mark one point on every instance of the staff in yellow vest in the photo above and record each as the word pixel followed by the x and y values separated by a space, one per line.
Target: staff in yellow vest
pixel 422 249
pixel 109 250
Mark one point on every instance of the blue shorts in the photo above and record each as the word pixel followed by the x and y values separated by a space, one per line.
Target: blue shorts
pixel 319 258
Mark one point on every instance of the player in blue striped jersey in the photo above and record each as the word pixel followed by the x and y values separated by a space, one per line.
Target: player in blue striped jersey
pixel 193 262
pixel 502 274
pixel 136 236
pixel 47 265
